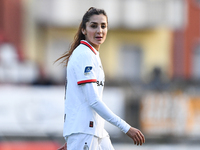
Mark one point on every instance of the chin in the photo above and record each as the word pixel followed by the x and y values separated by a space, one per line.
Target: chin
pixel 97 43
pixel 100 42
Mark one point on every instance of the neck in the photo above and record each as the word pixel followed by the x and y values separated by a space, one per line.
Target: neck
pixel 97 48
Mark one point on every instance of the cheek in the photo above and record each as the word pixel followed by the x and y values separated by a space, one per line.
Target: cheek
pixel 105 32
pixel 91 33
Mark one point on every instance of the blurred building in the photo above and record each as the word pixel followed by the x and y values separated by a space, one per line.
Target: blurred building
pixel 186 50
pixel 11 17
pixel 147 34
pixel 139 39
pixel 14 67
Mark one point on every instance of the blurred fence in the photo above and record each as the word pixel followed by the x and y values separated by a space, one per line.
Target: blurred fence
pixel 38 111
pixel 31 110
pixel 170 114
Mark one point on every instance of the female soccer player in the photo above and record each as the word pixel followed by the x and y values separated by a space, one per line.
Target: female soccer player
pixel 85 111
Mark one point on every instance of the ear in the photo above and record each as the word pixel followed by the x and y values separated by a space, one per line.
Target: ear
pixel 83 31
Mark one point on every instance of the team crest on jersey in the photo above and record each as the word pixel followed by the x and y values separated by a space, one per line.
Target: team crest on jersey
pixel 87 70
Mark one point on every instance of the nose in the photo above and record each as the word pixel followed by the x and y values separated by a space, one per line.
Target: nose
pixel 99 29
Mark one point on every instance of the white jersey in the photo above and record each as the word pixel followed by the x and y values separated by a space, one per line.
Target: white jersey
pixel 83 67
pixel 84 108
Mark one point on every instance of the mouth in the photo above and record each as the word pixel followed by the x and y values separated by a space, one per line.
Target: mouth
pixel 99 37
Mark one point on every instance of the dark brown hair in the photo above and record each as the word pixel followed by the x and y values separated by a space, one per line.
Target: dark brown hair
pixel 79 35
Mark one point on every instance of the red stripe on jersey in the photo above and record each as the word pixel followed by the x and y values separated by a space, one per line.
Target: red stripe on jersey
pixel 86 81
pixel 88 45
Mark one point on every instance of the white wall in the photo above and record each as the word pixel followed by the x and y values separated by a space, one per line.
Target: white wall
pixel 133 14
pixel 39 110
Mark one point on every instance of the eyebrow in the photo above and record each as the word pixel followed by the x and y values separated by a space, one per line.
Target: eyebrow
pixel 97 23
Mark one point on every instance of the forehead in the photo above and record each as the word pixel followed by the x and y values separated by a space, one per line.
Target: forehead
pixel 98 18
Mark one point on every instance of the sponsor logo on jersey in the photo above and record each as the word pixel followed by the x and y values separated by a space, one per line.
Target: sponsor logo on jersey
pixel 87 70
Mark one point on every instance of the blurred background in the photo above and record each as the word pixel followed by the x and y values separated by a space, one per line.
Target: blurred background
pixel 151 59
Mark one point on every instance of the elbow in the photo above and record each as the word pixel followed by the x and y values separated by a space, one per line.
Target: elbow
pixel 93 104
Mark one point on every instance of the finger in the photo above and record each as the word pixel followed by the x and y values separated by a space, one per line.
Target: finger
pixel 137 139
pixel 139 134
pixel 61 148
pixel 143 138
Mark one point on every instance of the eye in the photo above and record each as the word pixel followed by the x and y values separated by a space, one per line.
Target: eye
pixel 93 25
pixel 103 26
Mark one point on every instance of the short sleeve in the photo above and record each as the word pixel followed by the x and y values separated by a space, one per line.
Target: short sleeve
pixel 85 69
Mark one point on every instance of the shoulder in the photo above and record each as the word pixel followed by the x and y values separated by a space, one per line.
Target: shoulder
pixel 83 52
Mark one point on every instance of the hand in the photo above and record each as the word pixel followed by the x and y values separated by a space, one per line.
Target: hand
pixel 136 135
pixel 64 147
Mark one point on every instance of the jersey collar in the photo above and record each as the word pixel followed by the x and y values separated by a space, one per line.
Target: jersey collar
pixel 89 45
